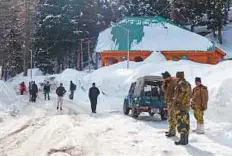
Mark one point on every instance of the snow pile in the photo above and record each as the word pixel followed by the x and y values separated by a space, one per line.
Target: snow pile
pixel 70 75
pixel 8 98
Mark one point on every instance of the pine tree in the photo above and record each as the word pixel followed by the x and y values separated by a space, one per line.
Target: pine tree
pixel 145 8
pixel 62 24
pixel 217 16
pixel 188 12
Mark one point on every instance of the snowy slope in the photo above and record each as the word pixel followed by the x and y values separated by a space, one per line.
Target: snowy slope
pixel 7 96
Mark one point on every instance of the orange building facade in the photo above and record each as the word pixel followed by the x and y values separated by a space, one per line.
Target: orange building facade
pixel 208 57
pixel 114 56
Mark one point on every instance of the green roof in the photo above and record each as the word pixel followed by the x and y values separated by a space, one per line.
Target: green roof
pixel 135 25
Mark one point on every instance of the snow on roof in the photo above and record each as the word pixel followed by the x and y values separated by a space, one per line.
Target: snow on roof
pixel 150 33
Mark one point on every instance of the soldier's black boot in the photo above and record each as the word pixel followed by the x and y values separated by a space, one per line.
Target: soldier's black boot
pixel 182 140
pixel 187 139
pixel 170 134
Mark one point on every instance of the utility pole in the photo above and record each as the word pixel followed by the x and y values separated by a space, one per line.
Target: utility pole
pixel 26 36
pixel 78 60
pixel 82 56
pixel 89 56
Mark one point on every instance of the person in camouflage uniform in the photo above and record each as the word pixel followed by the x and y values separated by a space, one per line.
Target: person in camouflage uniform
pixel 182 97
pixel 168 87
pixel 199 104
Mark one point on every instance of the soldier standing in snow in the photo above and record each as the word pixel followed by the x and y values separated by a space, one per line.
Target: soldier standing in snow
pixel 47 89
pixel 168 87
pixel 182 97
pixel 199 104
pixel 93 95
pixel 60 91
pixel 72 89
pixel 34 91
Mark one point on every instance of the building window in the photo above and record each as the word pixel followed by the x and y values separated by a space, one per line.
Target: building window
pixel 184 57
pixel 175 58
pixel 138 59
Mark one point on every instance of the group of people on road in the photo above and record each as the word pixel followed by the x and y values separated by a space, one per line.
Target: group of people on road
pixel 179 98
pixel 93 95
pixel 33 90
pixel 60 92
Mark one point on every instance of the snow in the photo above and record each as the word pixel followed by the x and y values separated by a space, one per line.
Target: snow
pixel 227 40
pixel 157 37
pixel 39 129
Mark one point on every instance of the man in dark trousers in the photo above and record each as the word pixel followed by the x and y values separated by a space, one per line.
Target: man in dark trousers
pixel 60 91
pixel 34 91
pixel 47 89
pixel 93 95
pixel 72 89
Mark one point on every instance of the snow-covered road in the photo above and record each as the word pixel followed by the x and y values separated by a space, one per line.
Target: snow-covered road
pixel 41 130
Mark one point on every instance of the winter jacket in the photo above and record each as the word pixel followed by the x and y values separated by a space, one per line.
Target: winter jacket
pixel 199 97
pixel 47 88
pixel 182 95
pixel 72 87
pixel 93 93
pixel 168 87
pixel 34 89
pixel 22 87
pixel 60 91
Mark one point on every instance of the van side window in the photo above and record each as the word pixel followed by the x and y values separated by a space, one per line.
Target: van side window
pixel 132 88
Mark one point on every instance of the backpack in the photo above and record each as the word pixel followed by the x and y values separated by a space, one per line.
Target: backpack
pixel 74 87
pixel 59 91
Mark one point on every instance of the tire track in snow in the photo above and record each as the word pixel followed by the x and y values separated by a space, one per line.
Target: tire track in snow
pixel 14 139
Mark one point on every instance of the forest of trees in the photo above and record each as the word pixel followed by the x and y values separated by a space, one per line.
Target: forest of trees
pixel 61 34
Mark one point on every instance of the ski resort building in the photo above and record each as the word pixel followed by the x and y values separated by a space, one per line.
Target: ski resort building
pixel 140 36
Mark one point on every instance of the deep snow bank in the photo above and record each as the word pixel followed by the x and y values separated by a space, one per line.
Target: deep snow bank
pixel 70 75
pixel 8 98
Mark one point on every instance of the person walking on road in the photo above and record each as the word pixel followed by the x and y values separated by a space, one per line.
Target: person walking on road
pixel 47 89
pixel 199 104
pixel 30 88
pixel 168 87
pixel 22 88
pixel 72 90
pixel 182 97
pixel 93 96
pixel 34 91
pixel 60 91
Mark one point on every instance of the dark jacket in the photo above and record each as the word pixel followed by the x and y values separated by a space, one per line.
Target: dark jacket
pixel 47 88
pixel 60 91
pixel 34 89
pixel 93 93
pixel 72 87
